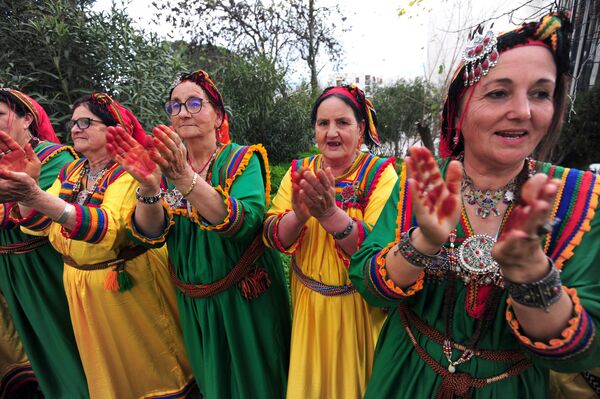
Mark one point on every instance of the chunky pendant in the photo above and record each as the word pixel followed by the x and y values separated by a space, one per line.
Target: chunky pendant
pixel 475 255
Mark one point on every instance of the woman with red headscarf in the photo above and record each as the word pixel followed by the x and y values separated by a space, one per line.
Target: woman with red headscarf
pixel 325 207
pixel 31 270
pixel 231 294
pixel 121 300
pixel 468 249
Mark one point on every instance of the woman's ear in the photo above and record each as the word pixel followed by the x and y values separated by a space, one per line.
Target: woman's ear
pixel 27 121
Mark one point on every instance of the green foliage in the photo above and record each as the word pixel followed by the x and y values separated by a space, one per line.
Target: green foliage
pixel 277 173
pixel 59 50
pixel 574 149
pixel 263 109
pixel 399 108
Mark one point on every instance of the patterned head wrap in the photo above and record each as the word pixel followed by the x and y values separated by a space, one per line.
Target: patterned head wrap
pixel 361 106
pixel 481 54
pixel 202 79
pixel 41 126
pixel 121 115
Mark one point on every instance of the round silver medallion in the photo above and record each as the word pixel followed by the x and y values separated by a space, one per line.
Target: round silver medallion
pixel 475 254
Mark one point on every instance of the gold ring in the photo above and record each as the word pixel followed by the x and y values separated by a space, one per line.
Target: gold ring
pixel 320 197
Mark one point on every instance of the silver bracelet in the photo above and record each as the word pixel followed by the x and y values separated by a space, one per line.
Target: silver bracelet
pixel 148 200
pixel 64 216
pixel 539 294
pixel 344 233
pixel 417 258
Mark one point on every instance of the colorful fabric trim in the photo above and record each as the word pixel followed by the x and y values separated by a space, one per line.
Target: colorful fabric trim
pixel 154 242
pixel 233 220
pixel 271 234
pixel 236 163
pixel 575 339
pixel 381 285
pixel 575 206
pixel 35 221
pixel 91 224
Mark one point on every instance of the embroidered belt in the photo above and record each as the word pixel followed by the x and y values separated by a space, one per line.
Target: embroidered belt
pixel 124 256
pixel 24 246
pixel 321 288
pixel 253 281
pixel 458 385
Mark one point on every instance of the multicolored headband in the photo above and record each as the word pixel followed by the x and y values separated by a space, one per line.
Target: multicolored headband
pixel 121 115
pixel 41 121
pixel 203 79
pixel 363 105
pixel 483 52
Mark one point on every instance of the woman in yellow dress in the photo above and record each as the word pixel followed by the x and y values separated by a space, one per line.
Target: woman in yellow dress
pixel 121 300
pixel 324 208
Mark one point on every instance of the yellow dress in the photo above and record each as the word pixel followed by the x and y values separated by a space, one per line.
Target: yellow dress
pixel 130 342
pixel 333 337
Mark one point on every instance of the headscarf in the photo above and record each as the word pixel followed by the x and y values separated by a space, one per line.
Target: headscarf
pixel 481 54
pixel 121 115
pixel 359 103
pixel 202 79
pixel 41 126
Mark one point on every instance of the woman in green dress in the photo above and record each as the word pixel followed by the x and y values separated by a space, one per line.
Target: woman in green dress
pixel 30 269
pixel 232 298
pixel 468 249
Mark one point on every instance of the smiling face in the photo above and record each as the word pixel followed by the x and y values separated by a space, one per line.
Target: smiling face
pixel 201 124
pixel 337 132
pixel 511 108
pixel 91 141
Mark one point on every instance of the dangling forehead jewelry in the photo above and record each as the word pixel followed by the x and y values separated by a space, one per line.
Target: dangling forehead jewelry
pixel 480 55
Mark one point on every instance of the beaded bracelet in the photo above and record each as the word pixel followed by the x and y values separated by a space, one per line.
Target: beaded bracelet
pixel 417 258
pixel 539 294
pixel 64 216
pixel 344 233
pixel 189 190
pixel 148 200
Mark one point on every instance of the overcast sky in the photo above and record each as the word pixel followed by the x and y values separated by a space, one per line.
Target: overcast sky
pixel 380 42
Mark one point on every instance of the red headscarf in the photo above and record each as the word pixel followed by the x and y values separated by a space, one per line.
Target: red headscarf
pixel 41 121
pixel 122 115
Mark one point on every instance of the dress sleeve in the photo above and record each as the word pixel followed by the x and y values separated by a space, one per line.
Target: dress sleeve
pixel 280 206
pixel 367 268
pixel 577 348
pixel 245 201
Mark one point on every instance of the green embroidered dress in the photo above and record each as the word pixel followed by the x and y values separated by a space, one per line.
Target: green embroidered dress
pixel 32 284
pixel 399 370
pixel 238 347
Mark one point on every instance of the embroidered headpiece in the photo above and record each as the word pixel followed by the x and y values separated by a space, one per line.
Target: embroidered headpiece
pixel 479 56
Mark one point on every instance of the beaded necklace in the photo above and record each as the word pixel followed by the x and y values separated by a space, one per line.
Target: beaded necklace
pixel 82 197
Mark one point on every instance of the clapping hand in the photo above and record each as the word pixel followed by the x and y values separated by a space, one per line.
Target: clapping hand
pixel 16 159
pixel 519 246
pixel 436 203
pixel 316 192
pixel 133 157
pixel 170 154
